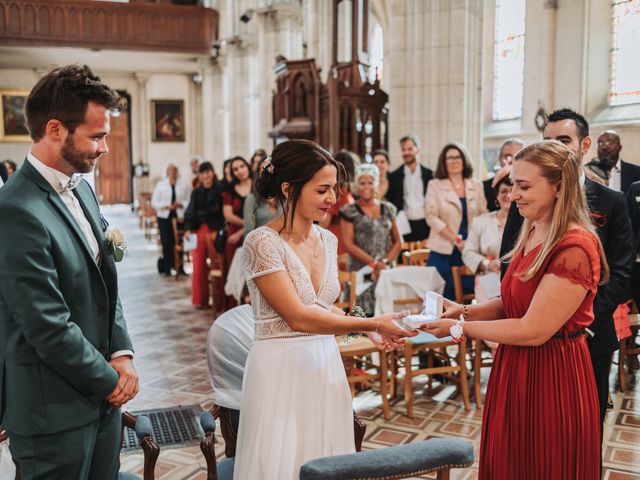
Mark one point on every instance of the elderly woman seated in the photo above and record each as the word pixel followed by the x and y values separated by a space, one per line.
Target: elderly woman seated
pixel 369 231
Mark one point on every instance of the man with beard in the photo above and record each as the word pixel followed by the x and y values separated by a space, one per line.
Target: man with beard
pixel 408 187
pixel 65 353
pixel 609 213
pixel 609 169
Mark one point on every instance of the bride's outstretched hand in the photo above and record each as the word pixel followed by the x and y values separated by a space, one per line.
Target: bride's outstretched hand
pixel 384 343
pixel 389 328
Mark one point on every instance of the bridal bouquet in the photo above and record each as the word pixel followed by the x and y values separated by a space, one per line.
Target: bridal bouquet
pixel 116 243
pixel 356 312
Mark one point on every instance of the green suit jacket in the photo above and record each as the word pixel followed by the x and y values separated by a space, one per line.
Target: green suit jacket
pixel 60 315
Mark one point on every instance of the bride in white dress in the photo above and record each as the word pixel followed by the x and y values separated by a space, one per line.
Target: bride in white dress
pixel 296 402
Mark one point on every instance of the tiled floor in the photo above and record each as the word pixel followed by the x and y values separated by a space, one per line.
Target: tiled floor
pixel 169 337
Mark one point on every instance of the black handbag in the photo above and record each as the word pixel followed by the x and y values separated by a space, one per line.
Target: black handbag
pixel 221 240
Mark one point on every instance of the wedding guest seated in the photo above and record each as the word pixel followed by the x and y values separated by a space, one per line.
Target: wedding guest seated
pixel 481 252
pixel 258 211
pixel 349 162
pixel 256 159
pixel 369 231
pixel 381 160
pixel 452 202
pixel 228 344
pixel 202 217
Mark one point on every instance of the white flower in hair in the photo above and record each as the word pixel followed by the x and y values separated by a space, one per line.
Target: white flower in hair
pixel 268 166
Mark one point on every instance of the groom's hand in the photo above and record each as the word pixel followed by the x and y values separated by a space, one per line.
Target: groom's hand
pixel 127 386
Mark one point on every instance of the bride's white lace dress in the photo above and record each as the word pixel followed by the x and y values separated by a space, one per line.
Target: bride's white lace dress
pixel 296 402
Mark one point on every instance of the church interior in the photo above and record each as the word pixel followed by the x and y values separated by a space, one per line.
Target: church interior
pixel 209 80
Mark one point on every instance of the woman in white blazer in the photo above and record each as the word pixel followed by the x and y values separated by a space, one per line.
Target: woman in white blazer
pixel 169 200
pixel 452 201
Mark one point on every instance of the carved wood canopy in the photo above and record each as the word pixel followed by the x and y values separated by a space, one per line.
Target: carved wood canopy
pixel 346 112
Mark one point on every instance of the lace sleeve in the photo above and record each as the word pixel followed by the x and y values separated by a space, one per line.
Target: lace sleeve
pixel 263 253
pixel 575 264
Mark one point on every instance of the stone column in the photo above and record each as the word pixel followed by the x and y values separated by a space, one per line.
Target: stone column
pixel 434 67
pixel 142 127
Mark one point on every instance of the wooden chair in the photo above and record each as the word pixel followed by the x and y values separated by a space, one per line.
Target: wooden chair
pixel 360 367
pixel 433 347
pixel 456 372
pixel 144 431
pixel 478 346
pixel 215 264
pixel 407 247
pixel 347 279
pixel 147 215
pixel 177 226
pixel 458 273
pixel 628 348
pixel 419 257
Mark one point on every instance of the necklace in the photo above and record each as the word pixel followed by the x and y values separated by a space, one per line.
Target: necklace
pixel 313 250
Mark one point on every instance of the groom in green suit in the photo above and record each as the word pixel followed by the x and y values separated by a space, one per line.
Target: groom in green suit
pixel 65 354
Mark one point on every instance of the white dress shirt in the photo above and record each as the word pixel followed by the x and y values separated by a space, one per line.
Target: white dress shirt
pixel 413 193
pixel 161 198
pixel 615 177
pixel 59 181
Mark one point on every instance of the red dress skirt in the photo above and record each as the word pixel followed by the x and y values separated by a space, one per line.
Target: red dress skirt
pixel 541 417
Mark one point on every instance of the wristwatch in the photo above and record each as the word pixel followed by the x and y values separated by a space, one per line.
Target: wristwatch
pixel 456 331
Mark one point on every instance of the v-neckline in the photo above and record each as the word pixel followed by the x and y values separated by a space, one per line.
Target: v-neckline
pixel 307 273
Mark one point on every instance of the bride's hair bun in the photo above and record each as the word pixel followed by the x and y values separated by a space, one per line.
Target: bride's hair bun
pixel 266 183
pixel 294 162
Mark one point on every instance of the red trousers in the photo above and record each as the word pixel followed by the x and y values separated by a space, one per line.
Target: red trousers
pixel 199 280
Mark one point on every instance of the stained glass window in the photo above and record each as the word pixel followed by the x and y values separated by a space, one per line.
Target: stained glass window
pixel 625 41
pixel 508 59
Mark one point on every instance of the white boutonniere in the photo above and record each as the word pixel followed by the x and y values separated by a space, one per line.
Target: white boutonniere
pixel 116 243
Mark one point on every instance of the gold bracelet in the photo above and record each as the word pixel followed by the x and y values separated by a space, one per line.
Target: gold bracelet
pixel 377 326
pixel 465 312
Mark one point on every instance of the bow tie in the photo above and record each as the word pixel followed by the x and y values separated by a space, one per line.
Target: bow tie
pixel 71 184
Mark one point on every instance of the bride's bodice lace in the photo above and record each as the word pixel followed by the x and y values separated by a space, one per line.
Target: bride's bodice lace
pixel 265 252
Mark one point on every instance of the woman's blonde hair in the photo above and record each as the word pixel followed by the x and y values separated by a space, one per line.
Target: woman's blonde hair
pixel 559 166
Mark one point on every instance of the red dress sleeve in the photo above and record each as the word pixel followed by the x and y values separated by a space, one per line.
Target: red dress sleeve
pixel 226 198
pixel 577 261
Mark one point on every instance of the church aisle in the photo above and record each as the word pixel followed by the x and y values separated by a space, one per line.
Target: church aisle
pixel 169 337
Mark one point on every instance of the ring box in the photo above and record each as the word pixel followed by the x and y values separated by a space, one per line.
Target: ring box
pixel 432 311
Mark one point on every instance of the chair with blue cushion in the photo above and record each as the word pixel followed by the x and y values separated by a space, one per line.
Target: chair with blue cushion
pixel 435 455
pixel 144 431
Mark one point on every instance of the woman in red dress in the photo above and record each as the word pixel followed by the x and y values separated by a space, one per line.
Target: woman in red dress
pixel 541 412
pixel 233 207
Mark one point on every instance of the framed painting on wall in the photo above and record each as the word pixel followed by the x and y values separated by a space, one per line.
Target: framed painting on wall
pixel 167 118
pixel 13 124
